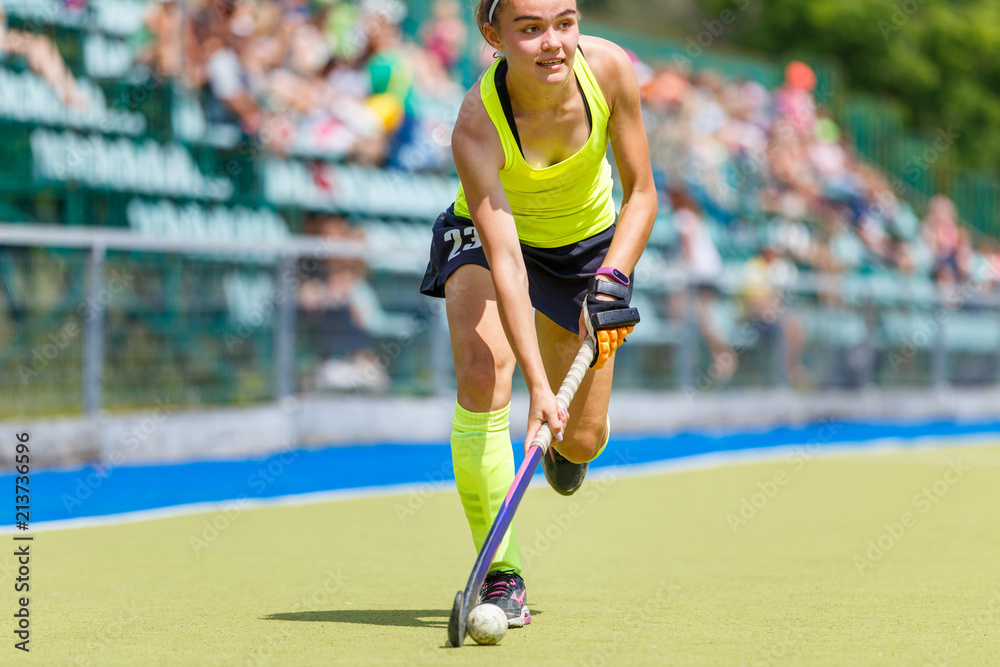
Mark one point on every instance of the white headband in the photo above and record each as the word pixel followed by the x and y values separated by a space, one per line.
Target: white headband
pixel 492 8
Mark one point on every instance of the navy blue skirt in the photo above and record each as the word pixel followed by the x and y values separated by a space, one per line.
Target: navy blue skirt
pixel 557 277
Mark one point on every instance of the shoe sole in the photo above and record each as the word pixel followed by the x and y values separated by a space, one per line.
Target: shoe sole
pixel 520 621
pixel 551 479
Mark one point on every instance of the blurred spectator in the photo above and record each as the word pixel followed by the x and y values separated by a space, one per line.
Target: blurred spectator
pixel 754 105
pixel 704 269
pixel 768 310
pixel 884 225
pixel 794 102
pixel 336 308
pixel 43 58
pixel 392 78
pixel 296 12
pixel 794 187
pixel 941 234
pixel 831 161
pixel 444 35
pixel 989 275
pixel 666 90
pixel 666 129
pixel 965 255
pixel 159 43
pixel 436 61
pixel 218 35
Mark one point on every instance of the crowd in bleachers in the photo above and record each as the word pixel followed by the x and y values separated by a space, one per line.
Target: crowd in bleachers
pixel 336 78
pixel 764 186
pixel 777 159
pixel 326 78
pixel 333 78
pixel 339 78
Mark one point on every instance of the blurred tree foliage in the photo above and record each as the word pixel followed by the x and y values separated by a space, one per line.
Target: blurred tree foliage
pixel 939 58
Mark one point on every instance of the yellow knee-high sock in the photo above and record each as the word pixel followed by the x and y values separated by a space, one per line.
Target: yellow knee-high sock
pixel 484 470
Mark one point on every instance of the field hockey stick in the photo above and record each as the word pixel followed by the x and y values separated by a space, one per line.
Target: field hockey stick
pixel 466 600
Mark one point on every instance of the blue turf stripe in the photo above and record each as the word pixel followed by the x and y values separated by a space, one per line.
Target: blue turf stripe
pixel 100 490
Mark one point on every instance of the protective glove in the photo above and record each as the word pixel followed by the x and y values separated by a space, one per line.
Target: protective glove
pixel 608 321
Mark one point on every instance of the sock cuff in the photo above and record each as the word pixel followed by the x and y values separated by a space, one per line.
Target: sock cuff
pixel 607 438
pixel 497 420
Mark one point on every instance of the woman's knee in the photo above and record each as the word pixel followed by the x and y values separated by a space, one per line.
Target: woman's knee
pixel 584 445
pixel 484 377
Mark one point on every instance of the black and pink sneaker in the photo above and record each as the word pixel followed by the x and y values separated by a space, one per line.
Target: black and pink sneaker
pixel 507 591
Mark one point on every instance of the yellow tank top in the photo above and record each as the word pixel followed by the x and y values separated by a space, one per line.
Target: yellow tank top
pixel 568 201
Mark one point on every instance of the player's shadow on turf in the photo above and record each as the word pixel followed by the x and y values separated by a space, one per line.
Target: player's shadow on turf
pixel 406 618
pixel 411 618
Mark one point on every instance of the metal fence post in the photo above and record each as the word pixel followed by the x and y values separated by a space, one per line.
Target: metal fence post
pixel 284 328
pixel 869 348
pixel 93 342
pixel 939 356
pixel 688 351
pixel 440 350
pixel 781 355
pixel 995 307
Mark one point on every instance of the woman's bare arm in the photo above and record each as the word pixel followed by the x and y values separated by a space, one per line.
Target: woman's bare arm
pixel 616 76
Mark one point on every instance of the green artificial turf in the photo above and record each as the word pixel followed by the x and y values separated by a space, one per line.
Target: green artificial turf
pixel 631 570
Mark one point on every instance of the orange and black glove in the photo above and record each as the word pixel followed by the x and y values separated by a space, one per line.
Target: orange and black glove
pixel 609 321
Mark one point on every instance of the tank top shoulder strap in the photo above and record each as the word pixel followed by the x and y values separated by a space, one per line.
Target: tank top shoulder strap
pixel 591 89
pixel 500 83
pixel 498 107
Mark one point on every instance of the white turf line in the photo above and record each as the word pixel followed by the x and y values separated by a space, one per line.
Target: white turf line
pixel 602 474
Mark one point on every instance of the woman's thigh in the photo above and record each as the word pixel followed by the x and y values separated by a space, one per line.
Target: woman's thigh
pixel 484 361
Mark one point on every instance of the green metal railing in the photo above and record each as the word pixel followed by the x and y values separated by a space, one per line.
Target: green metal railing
pixel 99 319
pixel 95 319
